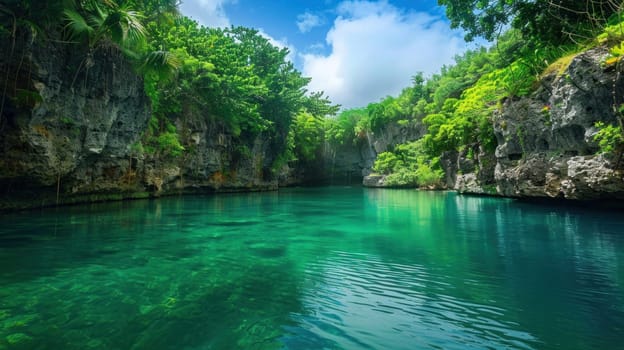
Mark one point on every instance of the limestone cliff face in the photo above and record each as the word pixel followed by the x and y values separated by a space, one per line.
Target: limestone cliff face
pixel 545 142
pixel 215 160
pixel 352 163
pixel 70 124
pixel 546 146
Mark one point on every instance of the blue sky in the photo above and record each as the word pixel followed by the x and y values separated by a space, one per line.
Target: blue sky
pixel 355 51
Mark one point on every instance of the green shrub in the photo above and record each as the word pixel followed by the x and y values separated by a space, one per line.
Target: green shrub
pixel 429 174
pixel 609 138
pixel 402 178
pixel 162 139
pixel 387 163
pixel 409 166
pixel 169 145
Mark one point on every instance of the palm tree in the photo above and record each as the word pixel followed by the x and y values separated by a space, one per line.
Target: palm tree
pixel 157 10
pixel 96 22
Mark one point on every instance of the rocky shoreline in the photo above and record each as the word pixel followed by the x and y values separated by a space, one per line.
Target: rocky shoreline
pixel 546 146
pixel 75 140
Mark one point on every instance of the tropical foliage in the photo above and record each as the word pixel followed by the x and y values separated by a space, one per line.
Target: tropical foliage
pixel 539 21
pixel 409 166
pixel 458 104
pixel 233 80
pixel 610 139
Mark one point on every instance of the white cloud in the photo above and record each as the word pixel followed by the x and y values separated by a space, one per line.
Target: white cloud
pixel 376 49
pixel 308 21
pixel 316 47
pixel 210 13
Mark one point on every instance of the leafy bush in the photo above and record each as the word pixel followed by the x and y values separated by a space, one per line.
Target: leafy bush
pixel 402 178
pixel 347 127
pixel 169 144
pixel 609 138
pixel 161 139
pixel 387 163
pixel 307 134
pixel 409 166
pixel 613 33
pixel 429 174
pixel 420 174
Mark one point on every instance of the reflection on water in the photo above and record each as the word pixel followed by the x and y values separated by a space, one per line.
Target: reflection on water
pixel 336 268
pixel 364 302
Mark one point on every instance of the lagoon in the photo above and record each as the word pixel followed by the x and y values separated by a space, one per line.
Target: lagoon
pixel 313 268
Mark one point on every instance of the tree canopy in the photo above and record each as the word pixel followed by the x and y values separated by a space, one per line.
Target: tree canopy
pixel 546 21
pixel 232 79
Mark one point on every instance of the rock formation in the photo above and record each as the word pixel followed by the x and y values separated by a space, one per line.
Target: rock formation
pixel 71 125
pixel 546 146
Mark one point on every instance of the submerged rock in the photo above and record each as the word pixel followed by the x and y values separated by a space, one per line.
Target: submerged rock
pixel 19 339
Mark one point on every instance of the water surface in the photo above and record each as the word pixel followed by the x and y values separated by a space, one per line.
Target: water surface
pixel 320 268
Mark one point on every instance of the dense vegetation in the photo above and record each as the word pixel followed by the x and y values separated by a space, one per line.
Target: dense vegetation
pixel 231 79
pixel 457 104
pixel 235 81
pixel 541 22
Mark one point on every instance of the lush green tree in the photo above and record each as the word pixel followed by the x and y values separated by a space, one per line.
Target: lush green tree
pixel 94 21
pixel 547 21
pixel 232 79
pixel 307 131
pixel 387 163
pixel 308 135
pixel 155 10
pixel 318 104
pixel 409 165
pixel 235 78
pixel 348 127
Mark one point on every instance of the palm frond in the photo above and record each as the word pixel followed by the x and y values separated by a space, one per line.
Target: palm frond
pixel 163 64
pixel 77 26
pixel 135 32
pixel 98 14
pixel 96 19
pixel 124 27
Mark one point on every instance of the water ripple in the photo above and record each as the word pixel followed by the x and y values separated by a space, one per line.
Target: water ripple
pixel 403 305
pixel 312 269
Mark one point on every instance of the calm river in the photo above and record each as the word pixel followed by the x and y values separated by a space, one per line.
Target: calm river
pixel 316 268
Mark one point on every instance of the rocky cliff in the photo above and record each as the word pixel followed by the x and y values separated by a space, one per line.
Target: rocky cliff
pixel 70 126
pixel 545 142
pixel 72 122
pixel 353 162
pixel 546 146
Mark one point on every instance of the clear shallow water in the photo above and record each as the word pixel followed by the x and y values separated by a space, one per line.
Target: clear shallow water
pixel 332 268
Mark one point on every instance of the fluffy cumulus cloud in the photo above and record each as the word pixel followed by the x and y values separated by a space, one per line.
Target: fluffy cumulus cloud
pixel 210 13
pixel 307 21
pixel 376 49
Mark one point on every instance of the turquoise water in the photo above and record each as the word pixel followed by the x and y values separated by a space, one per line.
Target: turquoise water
pixel 319 268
